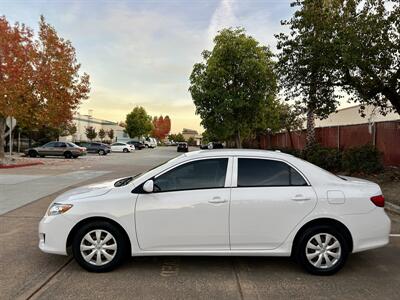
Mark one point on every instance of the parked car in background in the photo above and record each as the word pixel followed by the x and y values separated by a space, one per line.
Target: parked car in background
pixel 225 202
pixel 150 142
pixel 204 146
pixel 215 145
pixel 122 147
pixel 95 147
pixel 183 147
pixel 66 149
pixel 138 145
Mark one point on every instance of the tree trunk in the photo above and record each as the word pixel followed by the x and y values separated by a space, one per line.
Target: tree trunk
pixel 2 134
pixel 310 139
pixel 238 140
pixel 290 137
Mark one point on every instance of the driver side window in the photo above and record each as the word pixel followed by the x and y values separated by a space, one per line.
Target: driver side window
pixel 200 174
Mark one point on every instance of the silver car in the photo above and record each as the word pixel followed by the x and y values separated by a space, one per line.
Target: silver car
pixel 66 149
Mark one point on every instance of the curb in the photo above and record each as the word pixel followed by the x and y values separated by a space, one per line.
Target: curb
pixel 392 207
pixel 20 165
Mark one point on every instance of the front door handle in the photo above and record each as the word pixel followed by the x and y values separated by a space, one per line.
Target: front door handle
pixel 300 197
pixel 216 200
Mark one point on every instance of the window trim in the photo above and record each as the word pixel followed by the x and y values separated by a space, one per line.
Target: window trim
pixel 235 176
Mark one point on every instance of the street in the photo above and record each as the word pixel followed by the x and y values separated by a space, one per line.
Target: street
pixel 27 273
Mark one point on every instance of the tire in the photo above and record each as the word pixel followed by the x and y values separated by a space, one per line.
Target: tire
pixel 102 152
pixel 116 247
pixel 146 146
pixel 68 155
pixel 336 253
pixel 75 156
pixel 32 153
pixel 125 150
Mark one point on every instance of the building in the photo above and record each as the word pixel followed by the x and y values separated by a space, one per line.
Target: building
pixel 83 121
pixel 190 133
pixel 351 116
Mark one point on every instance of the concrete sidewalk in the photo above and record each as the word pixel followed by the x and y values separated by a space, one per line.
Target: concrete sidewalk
pixel 18 190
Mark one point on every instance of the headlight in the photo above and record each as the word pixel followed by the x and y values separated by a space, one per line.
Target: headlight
pixel 58 209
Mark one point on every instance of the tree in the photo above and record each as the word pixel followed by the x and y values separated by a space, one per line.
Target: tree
pixel 291 119
pixel 176 137
pixel 191 141
pixel 16 74
pixel 110 134
pixel 138 122
pixel 307 60
pixel 90 132
pixel 234 86
pixel 102 134
pixel 368 45
pixel 161 127
pixel 40 82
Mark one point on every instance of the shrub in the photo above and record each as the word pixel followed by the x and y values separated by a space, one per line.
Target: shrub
pixel 326 158
pixel 364 159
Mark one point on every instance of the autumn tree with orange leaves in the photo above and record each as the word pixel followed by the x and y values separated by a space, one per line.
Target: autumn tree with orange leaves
pixel 161 127
pixel 40 82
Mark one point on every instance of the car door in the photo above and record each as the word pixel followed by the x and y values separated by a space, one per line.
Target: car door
pixel 270 198
pixel 188 210
pixel 59 148
pixel 47 149
pixel 116 147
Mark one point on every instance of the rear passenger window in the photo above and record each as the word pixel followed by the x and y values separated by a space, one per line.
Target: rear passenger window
pixel 264 172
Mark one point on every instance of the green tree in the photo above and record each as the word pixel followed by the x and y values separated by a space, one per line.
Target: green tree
pixel 138 122
pixel 191 141
pixel 110 134
pixel 102 134
pixel 91 133
pixel 291 119
pixel 368 46
pixel 179 138
pixel 234 86
pixel 307 60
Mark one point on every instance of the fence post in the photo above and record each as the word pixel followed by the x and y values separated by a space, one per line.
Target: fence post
pixel 338 137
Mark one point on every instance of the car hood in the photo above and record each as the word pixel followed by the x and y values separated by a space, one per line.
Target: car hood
pixel 88 191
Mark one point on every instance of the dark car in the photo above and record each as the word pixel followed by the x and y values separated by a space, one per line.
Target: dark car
pixel 138 145
pixel 95 147
pixel 66 149
pixel 183 147
pixel 214 145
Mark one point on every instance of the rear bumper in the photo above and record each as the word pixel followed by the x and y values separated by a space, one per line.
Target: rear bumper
pixel 370 230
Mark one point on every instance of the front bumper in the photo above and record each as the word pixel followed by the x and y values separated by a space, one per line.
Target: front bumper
pixel 53 234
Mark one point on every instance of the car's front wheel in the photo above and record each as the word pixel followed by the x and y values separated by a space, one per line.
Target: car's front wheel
pixel 99 246
pixel 102 152
pixel 125 150
pixel 322 250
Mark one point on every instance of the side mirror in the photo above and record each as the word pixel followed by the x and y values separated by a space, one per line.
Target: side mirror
pixel 148 186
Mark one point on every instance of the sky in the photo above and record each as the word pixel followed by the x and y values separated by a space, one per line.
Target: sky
pixel 142 52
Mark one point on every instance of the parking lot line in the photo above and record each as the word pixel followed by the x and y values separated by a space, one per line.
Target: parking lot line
pixel 394 235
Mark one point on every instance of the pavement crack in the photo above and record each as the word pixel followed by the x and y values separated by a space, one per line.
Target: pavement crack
pixel 39 288
pixel 236 272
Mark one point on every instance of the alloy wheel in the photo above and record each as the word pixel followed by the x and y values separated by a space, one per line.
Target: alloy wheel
pixel 98 247
pixel 323 250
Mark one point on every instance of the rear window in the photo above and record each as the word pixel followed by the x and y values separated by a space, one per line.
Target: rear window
pixel 265 172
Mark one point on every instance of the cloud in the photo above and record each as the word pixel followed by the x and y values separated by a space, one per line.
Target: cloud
pixel 223 17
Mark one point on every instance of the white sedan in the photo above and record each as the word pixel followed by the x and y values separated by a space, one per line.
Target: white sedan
pixel 220 202
pixel 122 147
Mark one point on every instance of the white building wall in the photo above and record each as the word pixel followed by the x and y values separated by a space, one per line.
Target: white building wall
pixel 351 116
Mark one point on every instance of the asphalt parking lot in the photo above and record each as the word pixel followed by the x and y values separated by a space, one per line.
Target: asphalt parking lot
pixel 27 273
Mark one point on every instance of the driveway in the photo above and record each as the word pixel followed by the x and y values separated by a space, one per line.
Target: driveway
pixel 27 273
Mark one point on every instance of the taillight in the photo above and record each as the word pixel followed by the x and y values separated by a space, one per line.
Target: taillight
pixel 378 200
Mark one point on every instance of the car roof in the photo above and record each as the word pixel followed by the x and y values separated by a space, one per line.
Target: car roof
pixel 234 152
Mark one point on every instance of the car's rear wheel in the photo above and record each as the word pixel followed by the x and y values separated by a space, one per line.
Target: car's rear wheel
pixel 99 246
pixel 68 154
pixel 102 152
pixel 32 153
pixel 322 250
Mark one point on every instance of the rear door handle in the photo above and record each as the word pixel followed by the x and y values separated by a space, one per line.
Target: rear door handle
pixel 300 197
pixel 216 200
